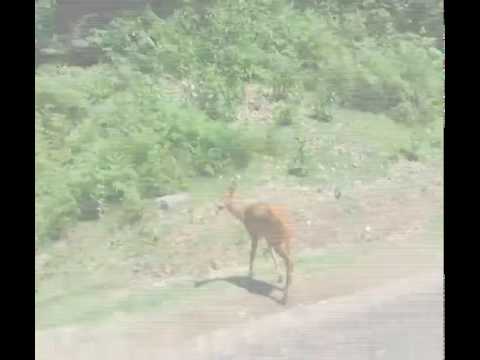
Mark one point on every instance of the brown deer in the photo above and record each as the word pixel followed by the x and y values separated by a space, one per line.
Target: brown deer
pixel 264 220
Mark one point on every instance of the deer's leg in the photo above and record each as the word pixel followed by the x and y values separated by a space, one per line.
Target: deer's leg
pixel 288 268
pixel 253 251
pixel 275 263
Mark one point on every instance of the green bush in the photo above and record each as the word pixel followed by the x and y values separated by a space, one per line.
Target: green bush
pixel 55 204
pixel 159 108
pixel 132 144
pixel 358 54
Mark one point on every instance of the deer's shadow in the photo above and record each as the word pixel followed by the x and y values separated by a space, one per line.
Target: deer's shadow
pixel 254 286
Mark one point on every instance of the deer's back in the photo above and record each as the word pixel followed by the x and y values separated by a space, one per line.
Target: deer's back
pixel 268 221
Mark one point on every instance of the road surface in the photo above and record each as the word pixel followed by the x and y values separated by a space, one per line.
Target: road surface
pixel 403 320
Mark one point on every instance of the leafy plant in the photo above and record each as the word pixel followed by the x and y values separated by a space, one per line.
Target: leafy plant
pixel 298 166
pixel 162 105
pixel 322 108
pixel 284 115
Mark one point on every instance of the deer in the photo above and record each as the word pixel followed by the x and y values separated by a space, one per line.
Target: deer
pixel 264 220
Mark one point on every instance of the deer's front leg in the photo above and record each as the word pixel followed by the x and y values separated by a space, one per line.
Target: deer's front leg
pixel 253 251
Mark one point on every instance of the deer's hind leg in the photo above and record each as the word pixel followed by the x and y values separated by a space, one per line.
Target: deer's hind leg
pixel 275 263
pixel 279 249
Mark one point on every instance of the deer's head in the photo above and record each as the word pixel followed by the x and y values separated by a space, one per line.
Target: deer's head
pixel 228 197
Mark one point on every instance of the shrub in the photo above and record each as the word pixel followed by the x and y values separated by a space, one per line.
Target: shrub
pixel 55 204
pixel 127 129
pixel 131 145
pixel 284 115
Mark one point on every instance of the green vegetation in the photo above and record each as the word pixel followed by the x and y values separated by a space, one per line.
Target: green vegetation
pixel 157 108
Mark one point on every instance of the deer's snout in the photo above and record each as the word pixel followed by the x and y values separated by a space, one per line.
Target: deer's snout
pixel 219 207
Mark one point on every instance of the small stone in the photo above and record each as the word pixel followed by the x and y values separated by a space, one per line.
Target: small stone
pixel 242 314
pixel 169 202
pixel 214 265
pixel 167 270
pixel 80 43
pixel 338 193
pixel 380 353
pixel 357 182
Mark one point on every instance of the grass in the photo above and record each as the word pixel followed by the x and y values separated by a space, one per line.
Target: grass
pixel 92 306
pixel 358 146
pixel 100 302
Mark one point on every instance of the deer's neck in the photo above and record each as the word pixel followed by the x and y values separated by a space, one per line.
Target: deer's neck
pixel 235 209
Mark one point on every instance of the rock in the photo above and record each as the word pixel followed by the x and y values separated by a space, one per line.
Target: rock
pixel 242 314
pixel 367 234
pixel 174 201
pixel 380 353
pixel 52 52
pixel 338 193
pixel 214 265
pixel 80 43
pixel 357 183
pixel 409 155
pixel 167 270
pixel 42 260
pixel 297 171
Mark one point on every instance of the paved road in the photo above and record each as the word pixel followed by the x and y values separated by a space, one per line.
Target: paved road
pixel 406 327
pixel 401 321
